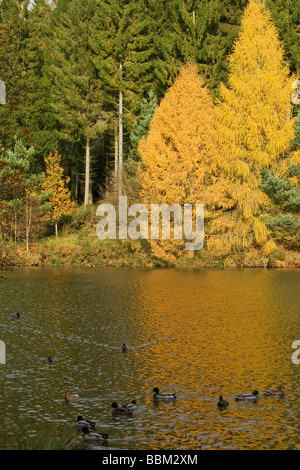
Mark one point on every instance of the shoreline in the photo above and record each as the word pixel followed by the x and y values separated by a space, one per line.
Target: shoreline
pixel 90 252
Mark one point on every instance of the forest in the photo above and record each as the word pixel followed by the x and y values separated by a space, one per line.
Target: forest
pixel 175 101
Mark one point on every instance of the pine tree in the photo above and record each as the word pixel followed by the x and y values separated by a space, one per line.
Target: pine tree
pixel 286 17
pixel 16 179
pixel 202 31
pixel 296 140
pixel 140 127
pixel 123 52
pixel 284 212
pixel 36 50
pixel 254 127
pixel 13 70
pixel 179 154
pixel 77 91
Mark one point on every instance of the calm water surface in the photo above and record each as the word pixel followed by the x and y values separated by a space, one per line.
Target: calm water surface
pixel 198 333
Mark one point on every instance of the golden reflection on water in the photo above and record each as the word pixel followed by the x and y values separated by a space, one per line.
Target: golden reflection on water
pixel 198 333
pixel 216 337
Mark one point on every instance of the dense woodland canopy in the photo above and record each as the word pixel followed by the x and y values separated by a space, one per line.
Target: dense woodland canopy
pixel 86 80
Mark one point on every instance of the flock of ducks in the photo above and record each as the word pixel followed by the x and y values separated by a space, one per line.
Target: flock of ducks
pixel 253 397
pixel 87 426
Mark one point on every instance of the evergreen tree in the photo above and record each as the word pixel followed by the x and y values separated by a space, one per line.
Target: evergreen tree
pixel 284 194
pixel 140 128
pixel 123 51
pixel 296 140
pixel 286 17
pixel 39 116
pixel 13 70
pixel 202 31
pixel 254 127
pixel 20 186
pixel 141 125
pixel 77 93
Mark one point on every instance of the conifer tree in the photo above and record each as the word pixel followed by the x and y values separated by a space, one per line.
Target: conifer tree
pixel 202 31
pixel 123 54
pixel 284 213
pixel 38 111
pixel 13 70
pixel 77 98
pixel 254 127
pixel 296 140
pixel 140 127
pixel 286 17
pixel 15 166
pixel 179 154
pixel 20 186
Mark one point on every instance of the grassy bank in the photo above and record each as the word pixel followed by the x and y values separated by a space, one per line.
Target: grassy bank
pixel 84 249
pixel 77 245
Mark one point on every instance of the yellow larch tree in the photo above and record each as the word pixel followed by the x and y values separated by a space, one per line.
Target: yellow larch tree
pixel 254 128
pixel 55 186
pixel 179 155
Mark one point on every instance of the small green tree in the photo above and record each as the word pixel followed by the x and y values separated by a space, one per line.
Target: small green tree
pixel 284 195
pixel 13 173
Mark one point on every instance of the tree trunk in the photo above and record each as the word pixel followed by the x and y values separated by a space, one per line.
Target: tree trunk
pixel 56 228
pixel 28 225
pixel 87 173
pixel 15 226
pixel 120 135
pixel 76 187
pixel 116 151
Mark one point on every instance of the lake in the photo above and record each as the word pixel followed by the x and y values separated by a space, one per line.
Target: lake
pixel 199 333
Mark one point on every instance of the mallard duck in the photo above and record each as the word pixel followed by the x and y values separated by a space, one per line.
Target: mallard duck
pixel 163 395
pixel 93 436
pixel 222 403
pixel 124 347
pixel 70 397
pixel 15 315
pixel 81 423
pixel 131 406
pixel 119 410
pixel 274 392
pixel 247 396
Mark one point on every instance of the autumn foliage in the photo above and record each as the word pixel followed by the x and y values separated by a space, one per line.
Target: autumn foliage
pixel 179 155
pixel 54 184
pixel 254 128
pixel 236 151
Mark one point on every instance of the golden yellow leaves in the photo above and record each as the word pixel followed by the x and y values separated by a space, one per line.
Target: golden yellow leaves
pixel 54 184
pixel 253 120
pixel 198 152
pixel 179 156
